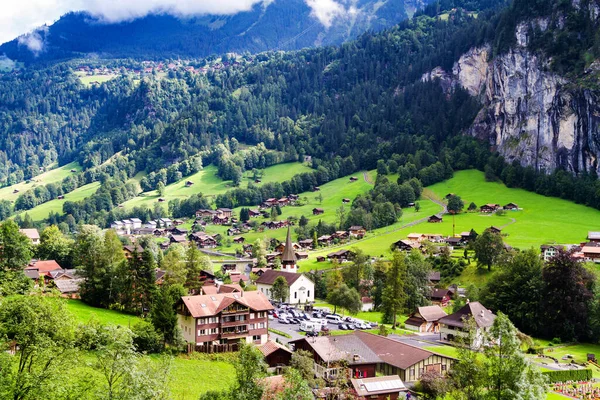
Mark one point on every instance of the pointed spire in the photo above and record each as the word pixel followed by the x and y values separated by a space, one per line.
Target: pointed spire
pixel 289 256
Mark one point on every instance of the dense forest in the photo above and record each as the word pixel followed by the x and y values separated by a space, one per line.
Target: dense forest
pixel 347 107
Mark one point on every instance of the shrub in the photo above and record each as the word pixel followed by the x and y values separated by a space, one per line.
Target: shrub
pixel 568 375
pixel 146 339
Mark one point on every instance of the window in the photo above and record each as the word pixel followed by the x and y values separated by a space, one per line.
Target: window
pixel 308 294
pixel 256 338
pixel 251 315
pixel 444 367
pixel 295 295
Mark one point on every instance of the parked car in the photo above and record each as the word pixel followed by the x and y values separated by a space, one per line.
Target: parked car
pixel 343 327
pixel 348 319
pixel 351 327
pixel 283 321
pixel 312 333
pixel 324 328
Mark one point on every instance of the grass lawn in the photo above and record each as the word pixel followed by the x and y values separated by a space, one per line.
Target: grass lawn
pixel 51 176
pixel 83 313
pixel 443 350
pixel 88 79
pixel 192 376
pixel 42 211
pixel 542 220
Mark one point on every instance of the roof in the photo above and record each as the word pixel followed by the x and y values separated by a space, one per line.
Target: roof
pixel 431 313
pixel 68 285
pixel 434 276
pixel 594 235
pixel 483 317
pixel 44 266
pixel 378 385
pixel 288 252
pixel 439 293
pixel 30 233
pixel 345 347
pixel 356 228
pixel 209 305
pixel 230 288
pixel 414 235
pixel 269 276
pixel 590 249
pixel 133 249
pixel 271 347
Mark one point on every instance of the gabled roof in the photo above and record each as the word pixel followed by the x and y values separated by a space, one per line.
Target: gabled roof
pixel 593 235
pixel 32 234
pixel 271 347
pixel 209 305
pixel 44 266
pixel 269 276
pixel 133 249
pixel 431 313
pixel 483 317
pixel 68 285
pixel 439 293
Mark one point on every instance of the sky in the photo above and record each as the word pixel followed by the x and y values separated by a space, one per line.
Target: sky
pixel 19 17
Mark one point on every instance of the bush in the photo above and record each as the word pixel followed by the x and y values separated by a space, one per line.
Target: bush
pixel 146 339
pixel 568 375
pixel 556 341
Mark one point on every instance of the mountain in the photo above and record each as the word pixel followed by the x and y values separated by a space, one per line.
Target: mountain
pixel 280 25
pixel 539 94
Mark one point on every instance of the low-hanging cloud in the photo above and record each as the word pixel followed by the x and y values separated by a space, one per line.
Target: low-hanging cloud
pixel 328 10
pixel 34 41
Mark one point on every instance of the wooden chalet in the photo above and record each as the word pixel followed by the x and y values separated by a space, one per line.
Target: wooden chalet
pixel 306 243
pixel 181 239
pixel 317 211
pixel 511 206
pixel 227 212
pixel 434 219
pixel 254 213
pixel 357 231
pixel 353 179
pixel 324 240
pixel 276 355
pixel 489 208
pixel 434 277
pixel 129 251
pixel 203 240
pixel 340 235
pixel 188 183
pixel 341 255
pixel 405 245
pixel 233 231
pixel 205 213
pixel 220 219
pixel 495 229
pixel 316 189
pixel 425 319
pixel 440 297
pixel 239 240
pixel 321 259
pixel 284 201
pixel 416 237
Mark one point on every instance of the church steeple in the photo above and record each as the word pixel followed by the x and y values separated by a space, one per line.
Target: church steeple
pixel 288 258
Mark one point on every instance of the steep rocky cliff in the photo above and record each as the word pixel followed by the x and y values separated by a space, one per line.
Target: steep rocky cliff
pixel 529 114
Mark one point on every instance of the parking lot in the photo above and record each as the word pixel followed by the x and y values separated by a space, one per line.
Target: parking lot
pixel 293 329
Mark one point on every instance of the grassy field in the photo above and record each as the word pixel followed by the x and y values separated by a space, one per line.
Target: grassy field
pixel 209 184
pixel 88 79
pixel 51 176
pixel 42 211
pixel 541 220
pixel 83 313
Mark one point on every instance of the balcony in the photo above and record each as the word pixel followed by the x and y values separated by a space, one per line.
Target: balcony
pixel 234 323
pixel 236 333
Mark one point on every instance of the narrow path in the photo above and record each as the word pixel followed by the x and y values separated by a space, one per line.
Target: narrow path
pixel 367 178
pixel 512 221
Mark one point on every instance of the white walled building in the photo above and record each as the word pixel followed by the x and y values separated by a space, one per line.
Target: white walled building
pixel 302 289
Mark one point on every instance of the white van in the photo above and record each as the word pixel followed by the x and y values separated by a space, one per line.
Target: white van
pixel 308 326
pixel 333 319
pixel 320 322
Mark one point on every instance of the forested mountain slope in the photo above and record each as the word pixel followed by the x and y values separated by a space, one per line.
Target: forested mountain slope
pixel 276 25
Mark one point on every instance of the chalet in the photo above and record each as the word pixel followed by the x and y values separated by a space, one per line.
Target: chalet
pixel 434 219
pixel 181 239
pixel 301 289
pixel 42 269
pixel 306 243
pixel 340 235
pixel 341 255
pixel 227 212
pixel 425 319
pixel 353 179
pixel 466 236
pixel 301 255
pixel 208 321
pixel 593 237
pixel 270 202
pixel 495 229
pixel 237 276
pixel 239 240
pixel 416 237
pixel 324 240
pixel 489 208
pixel 205 213
pixel 32 234
pixel 233 231
pixel 129 251
pixel 379 388
pixel 357 231
pixel 346 200
pixel 165 222
pixel 511 206
pixel 321 259
pixel 284 201
pixel 550 250
pixel 276 355
pixel 449 196
pixel 61 197
pixel 69 288
pixel 15 191
pixel 434 277
pixel 179 231
pixel 259 271
pixel 591 252
pixel 203 240
pixel 220 219
pixel 177 222
pixel 212 289
pixel 454 241
pixel 316 189
pixel 188 183
pixel 405 245
pixel 363 355
pixel 441 296
pixel 274 224
pixel 317 211
pixel 253 213
pixel 454 324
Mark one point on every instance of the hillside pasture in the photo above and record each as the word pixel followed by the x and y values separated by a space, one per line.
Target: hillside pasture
pixel 88 80
pixel 53 175
pixel 43 210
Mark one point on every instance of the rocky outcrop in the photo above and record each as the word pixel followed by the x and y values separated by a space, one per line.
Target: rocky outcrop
pixel 529 114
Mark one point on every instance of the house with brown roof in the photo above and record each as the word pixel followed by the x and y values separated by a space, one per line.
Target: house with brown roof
pixel 550 250
pixel 129 251
pixel 203 240
pixel 591 251
pixel 357 231
pixel 32 234
pixel 324 240
pixel 224 320
pixel 317 211
pixel 276 355
pixel 301 289
pixel 405 245
pixel 511 206
pixel 364 355
pixel 306 243
pixel 489 208
pixel 434 219
pixel 455 325
pixel 425 319
pixel 440 296
pixel 341 256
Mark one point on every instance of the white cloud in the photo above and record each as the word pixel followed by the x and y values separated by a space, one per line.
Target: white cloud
pixel 33 40
pixel 326 10
pixel 19 17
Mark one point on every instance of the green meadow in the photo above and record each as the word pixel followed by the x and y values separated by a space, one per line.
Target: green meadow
pixel 88 79
pixel 52 176
pixel 209 184
pixel 43 210
pixel 83 313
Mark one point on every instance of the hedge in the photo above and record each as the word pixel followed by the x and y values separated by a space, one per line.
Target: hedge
pixel 568 375
pixel 280 333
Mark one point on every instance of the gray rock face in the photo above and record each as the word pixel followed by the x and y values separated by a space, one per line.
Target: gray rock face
pixel 529 114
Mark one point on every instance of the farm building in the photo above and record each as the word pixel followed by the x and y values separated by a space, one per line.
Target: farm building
pixel 434 219
pixel 454 324
pixel 425 319
pixel 317 211
pixel 489 208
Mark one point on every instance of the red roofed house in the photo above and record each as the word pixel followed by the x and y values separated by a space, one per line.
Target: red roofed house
pixel 276 355
pixel 208 321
